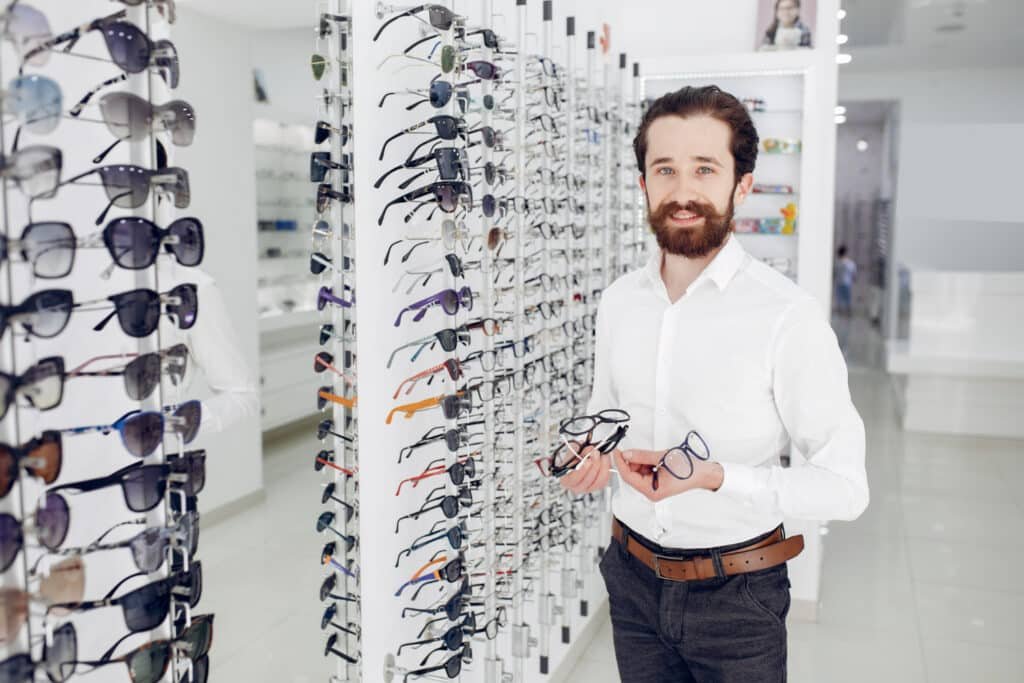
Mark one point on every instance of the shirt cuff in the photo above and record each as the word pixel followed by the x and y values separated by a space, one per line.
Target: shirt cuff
pixel 742 482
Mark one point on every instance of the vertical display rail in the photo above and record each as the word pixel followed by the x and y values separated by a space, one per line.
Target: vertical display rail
pixel 489 244
pixel 342 607
pixel 619 243
pixel 636 205
pixel 608 259
pixel 520 628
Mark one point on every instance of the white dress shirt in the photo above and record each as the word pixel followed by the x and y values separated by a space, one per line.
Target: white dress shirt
pixel 747 359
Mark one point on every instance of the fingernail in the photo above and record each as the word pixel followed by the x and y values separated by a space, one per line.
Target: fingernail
pixel 627 455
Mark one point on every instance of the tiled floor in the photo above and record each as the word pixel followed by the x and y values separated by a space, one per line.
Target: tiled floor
pixel 923 587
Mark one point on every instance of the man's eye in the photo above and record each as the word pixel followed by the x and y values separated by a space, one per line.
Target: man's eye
pixel 705 170
pixel 664 170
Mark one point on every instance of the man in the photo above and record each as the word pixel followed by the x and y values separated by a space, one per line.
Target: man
pixel 846 275
pixel 706 338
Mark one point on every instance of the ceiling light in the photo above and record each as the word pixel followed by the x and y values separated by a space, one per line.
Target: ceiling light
pixel 862 145
pixel 842 58
pixel 840 119
pixel 842 14
pixel 842 38
pixel 840 109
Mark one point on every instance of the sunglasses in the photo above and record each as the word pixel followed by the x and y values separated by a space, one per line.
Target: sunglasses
pixel 41 457
pixel 49 247
pixel 326 459
pixel 138 310
pixel 128 186
pixel 324 394
pixel 326 427
pixel 324 131
pixel 41 386
pixel 36 102
pixel 447 194
pixel 325 295
pixel 446 127
pixel 448 338
pixel 328 495
pixel 438 17
pixel 451 366
pixel 49 521
pixel 26 28
pixel 149 662
pixel 320 163
pixel 62 649
pixel 35 170
pixel 44 314
pixel 451 572
pixel 130 117
pixel 134 242
pixel 142 374
pixel 321 65
pixel 448 299
pixel 143 486
pixel 65 582
pixel 452 164
pixel 146 607
pixel 143 431
pixel 325 193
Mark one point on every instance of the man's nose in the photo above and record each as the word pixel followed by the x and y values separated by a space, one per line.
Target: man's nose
pixel 682 192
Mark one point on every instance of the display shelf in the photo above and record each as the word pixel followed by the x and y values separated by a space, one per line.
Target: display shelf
pixel 276 322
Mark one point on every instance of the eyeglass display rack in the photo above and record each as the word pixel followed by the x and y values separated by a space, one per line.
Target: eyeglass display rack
pixel 445 464
pixel 334 235
pixel 50 457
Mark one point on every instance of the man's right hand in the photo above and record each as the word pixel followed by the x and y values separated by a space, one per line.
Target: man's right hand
pixel 592 475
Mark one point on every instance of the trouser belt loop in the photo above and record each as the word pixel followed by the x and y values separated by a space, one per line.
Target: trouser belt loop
pixel 623 535
pixel 716 560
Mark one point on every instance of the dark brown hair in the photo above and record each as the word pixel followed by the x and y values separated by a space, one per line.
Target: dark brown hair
pixel 711 101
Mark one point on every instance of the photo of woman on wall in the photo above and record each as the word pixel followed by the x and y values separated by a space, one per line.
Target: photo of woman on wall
pixel 786 28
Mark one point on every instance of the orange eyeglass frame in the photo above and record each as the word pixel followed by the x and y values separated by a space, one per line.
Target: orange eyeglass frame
pixel 410 409
pixel 334 398
pixel 457 372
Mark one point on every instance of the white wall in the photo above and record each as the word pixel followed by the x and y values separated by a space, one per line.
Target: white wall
pixel 284 59
pixel 858 173
pixel 961 134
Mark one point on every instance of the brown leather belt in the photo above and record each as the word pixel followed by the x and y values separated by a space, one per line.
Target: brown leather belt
pixel 768 552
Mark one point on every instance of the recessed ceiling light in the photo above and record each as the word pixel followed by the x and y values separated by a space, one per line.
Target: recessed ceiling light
pixel 842 39
pixel 840 119
pixel 842 14
pixel 862 145
pixel 843 58
pixel 840 109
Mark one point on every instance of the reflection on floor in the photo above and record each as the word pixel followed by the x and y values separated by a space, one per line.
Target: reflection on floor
pixel 924 587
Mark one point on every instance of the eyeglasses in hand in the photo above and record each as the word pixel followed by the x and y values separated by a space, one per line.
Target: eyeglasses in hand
pixel 678 460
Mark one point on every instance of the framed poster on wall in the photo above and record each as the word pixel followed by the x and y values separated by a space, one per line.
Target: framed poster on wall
pixel 786 24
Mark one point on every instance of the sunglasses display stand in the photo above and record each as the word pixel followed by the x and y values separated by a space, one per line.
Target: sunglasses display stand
pixel 334 29
pixel 97 396
pixel 507 341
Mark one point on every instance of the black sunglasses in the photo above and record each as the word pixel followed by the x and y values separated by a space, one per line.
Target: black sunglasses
pixel 325 193
pixel 49 246
pixel 44 314
pixel 134 242
pixel 448 194
pixel 138 310
pixel 446 127
pixel 324 130
pixel 127 186
pixel 321 162
pixel 142 374
pixel 41 386
pixel 143 431
pixel 438 16
pixel 35 170
pixel 452 164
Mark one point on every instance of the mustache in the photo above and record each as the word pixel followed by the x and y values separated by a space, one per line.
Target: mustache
pixel 666 209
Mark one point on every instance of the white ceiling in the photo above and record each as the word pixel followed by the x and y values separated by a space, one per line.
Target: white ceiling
pixel 259 14
pixel 933 33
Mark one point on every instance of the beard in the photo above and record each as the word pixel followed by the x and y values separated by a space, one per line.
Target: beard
pixel 691 242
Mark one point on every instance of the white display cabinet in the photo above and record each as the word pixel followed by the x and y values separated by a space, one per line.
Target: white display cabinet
pixel 791 97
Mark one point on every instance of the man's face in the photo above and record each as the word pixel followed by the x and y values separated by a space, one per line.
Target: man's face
pixel 690 184
pixel 787 12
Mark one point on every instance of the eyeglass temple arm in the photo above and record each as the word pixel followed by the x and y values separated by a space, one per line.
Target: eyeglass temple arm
pixel 76 110
pixel 97 373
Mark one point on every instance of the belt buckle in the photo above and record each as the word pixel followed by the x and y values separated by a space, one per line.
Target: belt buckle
pixel 657 567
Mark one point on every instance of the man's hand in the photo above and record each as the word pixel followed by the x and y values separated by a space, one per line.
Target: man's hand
pixel 592 475
pixel 637 469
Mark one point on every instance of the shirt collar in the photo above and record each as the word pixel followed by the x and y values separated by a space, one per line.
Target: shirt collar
pixel 723 267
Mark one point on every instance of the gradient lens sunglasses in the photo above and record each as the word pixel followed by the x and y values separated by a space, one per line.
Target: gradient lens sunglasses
pixel 143 486
pixel 26 28
pixel 446 127
pixel 142 374
pixel 36 102
pixel 134 242
pixel 320 163
pixel 448 195
pixel 146 607
pixel 44 314
pixel 41 386
pixel 49 523
pixel 35 170
pixel 127 186
pixel 130 117
pixel 58 652
pixel 48 246
pixel 42 457
pixel 143 431
pixel 324 130
pixel 149 662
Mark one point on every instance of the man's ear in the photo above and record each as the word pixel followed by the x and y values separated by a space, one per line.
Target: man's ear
pixel 643 184
pixel 743 188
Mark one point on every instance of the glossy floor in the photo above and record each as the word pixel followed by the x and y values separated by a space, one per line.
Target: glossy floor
pixel 924 587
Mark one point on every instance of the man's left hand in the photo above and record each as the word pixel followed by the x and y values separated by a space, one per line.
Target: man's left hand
pixel 636 467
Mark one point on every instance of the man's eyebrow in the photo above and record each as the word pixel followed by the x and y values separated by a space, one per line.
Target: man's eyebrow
pixel 661 160
pixel 708 160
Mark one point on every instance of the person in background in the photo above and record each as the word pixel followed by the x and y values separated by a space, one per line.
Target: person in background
pixel 787 31
pixel 846 275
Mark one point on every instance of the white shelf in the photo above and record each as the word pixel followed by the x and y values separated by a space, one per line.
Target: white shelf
pixel 900 360
pixel 285 321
